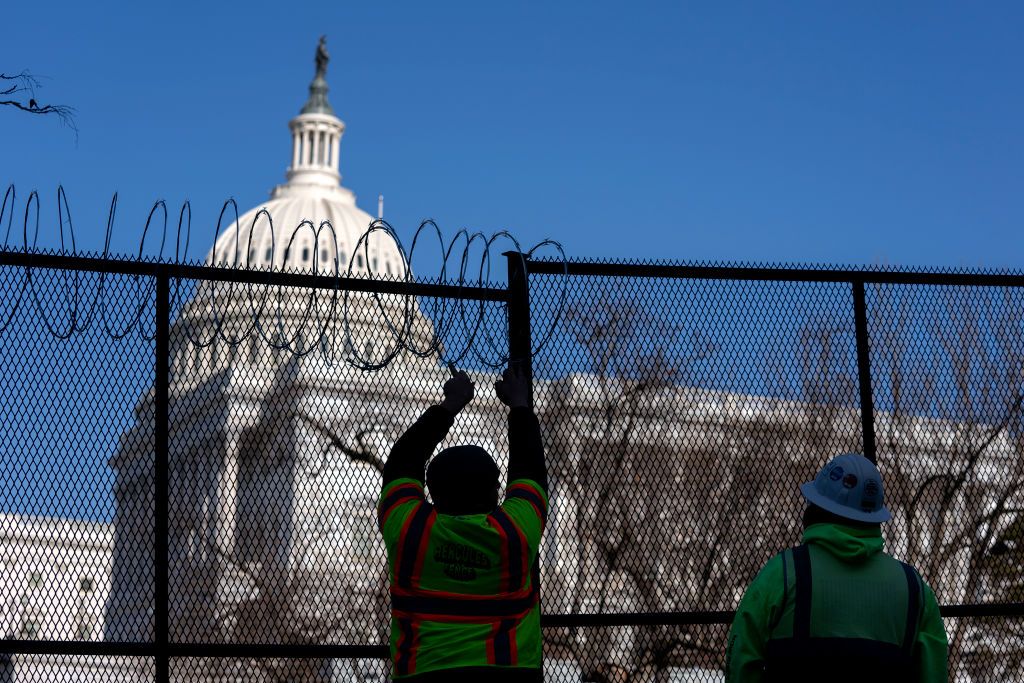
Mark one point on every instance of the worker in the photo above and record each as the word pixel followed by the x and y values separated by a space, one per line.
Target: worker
pixel 837 608
pixel 463 569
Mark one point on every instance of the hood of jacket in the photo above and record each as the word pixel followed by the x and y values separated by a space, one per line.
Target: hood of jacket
pixel 847 543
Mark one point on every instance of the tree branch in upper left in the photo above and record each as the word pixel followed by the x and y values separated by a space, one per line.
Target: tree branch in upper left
pixel 25 84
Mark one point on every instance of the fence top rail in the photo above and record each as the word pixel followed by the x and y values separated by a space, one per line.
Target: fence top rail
pixel 1011 610
pixel 783 273
pixel 153 268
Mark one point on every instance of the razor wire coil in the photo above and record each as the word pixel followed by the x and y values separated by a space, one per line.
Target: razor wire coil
pixel 466 264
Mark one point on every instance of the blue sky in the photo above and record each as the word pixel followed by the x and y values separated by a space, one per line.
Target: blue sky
pixel 808 132
pixel 784 132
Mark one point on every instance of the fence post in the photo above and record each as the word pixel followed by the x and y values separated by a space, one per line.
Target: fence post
pixel 520 344
pixel 519 340
pixel 867 402
pixel 160 483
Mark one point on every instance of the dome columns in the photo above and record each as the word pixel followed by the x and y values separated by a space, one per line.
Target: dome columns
pixel 316 139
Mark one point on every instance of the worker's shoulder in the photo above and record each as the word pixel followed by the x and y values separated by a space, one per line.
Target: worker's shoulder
pixel 894 564
pixel 768 587
pixel 525 487
pixel 774 569
pixel 910 570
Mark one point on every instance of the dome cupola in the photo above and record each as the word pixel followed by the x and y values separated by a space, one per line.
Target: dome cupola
pixel 316 132
pixel 313 193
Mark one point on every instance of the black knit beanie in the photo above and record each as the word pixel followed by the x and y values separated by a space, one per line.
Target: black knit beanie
pixel 463 480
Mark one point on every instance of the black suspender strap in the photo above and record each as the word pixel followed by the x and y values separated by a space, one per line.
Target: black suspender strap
pixel 802 611
pixel 913 608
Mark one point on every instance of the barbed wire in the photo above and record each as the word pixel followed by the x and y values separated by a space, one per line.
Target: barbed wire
pixel 335 319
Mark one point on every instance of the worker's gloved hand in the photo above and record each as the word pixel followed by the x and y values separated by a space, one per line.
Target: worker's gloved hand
pixel 458 392
pixel 513 389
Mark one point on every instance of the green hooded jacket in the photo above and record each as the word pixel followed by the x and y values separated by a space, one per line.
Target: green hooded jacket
pixel 858 592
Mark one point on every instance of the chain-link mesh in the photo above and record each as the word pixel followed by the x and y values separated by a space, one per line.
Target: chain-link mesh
pixel 948 377
pixel 681 654
pixel 274 670
pixel 67 407
pixel 679 415
pixel 992 649
pixel 75 668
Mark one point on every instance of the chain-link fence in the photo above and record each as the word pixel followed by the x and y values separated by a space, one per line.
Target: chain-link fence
pixel 191 455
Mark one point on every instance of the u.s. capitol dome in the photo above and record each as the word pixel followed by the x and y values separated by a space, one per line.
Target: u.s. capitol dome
pixel 311 219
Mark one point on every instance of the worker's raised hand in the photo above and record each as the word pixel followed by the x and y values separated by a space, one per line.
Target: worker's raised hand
pixel 513 389
pixel 458 391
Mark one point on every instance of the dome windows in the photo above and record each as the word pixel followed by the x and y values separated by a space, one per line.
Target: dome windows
pixel 304 236
pixel 306 251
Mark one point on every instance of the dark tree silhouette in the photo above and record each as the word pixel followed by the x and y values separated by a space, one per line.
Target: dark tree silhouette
pixel 23 84
pixel 636 542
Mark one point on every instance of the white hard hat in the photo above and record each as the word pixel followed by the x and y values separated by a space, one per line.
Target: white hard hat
pixel 851 487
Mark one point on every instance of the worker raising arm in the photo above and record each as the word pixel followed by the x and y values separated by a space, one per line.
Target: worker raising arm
pixel 463 581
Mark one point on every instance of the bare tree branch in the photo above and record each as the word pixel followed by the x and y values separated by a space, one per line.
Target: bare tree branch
pixel 361 453
pixel 963 408
pixel 25 82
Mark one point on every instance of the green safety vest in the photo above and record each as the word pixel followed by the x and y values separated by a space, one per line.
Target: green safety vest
pixel 463 587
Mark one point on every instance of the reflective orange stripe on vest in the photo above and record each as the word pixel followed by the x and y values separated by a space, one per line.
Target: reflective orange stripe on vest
pixel 530 495
pixel 412 603
pixel 412 547
pixel 501 645
pixel 398 495
pixel 514 552
pixel 408 641
pixel 418 605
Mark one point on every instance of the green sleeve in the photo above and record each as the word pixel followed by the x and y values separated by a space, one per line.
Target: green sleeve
pixel 932 646
pixel 751 627
pixel 398 499
pixel 527 504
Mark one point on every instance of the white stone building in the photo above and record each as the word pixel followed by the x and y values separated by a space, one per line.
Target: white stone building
pixel 57 576
pixel 272 534
pixel 57 581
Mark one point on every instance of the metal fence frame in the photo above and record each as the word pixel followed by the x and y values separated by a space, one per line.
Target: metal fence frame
pixel 517 298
